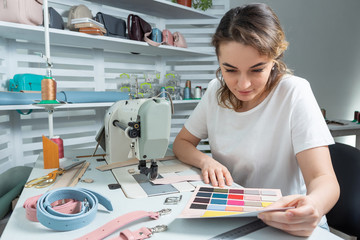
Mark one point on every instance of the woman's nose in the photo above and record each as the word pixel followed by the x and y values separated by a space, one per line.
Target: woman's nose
pixel 243 82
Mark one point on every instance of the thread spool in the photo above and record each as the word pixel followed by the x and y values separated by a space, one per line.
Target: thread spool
pixel 60 143
pixel 48 91
pixel 197 94
pixel 188 84
pixel 186 93
pixel 163 92
pixel 356 116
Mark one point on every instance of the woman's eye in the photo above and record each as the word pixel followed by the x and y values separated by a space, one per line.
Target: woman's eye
pixel 229 70
pixel 258 70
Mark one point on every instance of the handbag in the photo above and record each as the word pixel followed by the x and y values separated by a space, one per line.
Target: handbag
pixel 115 27
pixel 25 82
pixel 176 39
pixel 137 27
pixel 156 35
pixel 79 11
pixel 22 11
pixel 168 38
pixel 179 40
pixel 55 19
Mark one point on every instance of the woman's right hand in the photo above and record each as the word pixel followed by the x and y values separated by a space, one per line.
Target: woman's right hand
pixel 215 173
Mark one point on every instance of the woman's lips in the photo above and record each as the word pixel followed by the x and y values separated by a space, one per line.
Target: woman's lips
pixel 244 92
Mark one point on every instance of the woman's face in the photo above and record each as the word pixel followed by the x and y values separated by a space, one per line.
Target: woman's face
pixel 245 72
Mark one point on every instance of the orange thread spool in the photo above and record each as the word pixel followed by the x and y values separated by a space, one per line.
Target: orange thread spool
pixel 48 89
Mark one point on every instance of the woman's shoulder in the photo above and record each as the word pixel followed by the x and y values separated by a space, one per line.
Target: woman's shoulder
pixel 215 83
pixel 291 82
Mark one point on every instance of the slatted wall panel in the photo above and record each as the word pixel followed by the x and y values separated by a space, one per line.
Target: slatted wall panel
pixel 199 71
pixel 85 69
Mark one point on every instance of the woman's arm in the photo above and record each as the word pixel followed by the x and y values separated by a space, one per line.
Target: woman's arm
pixel 322 193
pixel 212 171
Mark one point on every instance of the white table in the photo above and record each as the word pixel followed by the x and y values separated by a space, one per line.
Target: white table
pixel 19 227
pixel 349 128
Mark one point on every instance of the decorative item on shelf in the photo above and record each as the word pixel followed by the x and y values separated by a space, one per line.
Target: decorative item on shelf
pixel 197 4
pixel 186 3
pixel 125 84
pixel 202 4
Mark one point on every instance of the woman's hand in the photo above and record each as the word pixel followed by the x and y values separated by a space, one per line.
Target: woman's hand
pixel 214 172
pixel 299 221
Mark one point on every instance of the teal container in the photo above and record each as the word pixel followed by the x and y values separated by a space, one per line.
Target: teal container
pixel 25 82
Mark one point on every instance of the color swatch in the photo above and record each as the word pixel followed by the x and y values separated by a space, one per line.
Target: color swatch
pixel 234 202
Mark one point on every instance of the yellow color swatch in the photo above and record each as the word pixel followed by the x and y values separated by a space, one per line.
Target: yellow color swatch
pixel 265 204
pixel 218 213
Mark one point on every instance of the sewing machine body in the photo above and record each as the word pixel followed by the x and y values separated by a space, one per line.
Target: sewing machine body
pixel 152 138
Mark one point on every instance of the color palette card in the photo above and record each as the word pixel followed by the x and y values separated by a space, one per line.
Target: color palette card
pixel 209 202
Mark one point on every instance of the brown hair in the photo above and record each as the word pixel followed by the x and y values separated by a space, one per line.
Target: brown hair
pixel 254 25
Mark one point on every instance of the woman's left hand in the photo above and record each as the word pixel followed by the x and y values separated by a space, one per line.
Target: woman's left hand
pixel 298 221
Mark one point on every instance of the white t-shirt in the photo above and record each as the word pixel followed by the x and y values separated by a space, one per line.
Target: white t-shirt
pixel 259 146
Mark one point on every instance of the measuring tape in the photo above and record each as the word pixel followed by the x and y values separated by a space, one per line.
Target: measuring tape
pixel 240 231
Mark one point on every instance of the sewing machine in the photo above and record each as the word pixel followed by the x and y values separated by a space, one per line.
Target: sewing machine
pixel 138 128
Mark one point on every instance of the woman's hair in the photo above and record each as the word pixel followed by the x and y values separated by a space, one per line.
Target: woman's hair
pixel 254 25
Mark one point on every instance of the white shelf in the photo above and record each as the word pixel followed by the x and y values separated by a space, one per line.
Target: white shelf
pixel 77 105
pixel 64 106
pixel 157 8
pixel 83 40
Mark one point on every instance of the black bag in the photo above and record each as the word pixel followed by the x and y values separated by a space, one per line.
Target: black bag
pixel 55 19
pixel 115 27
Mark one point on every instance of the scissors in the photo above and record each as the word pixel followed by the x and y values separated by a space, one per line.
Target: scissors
pixel 49 179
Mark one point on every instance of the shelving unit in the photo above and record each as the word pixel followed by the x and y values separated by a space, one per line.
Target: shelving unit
pixel 83 40
pixel 85 62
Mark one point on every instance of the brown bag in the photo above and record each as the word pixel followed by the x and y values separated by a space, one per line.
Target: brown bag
pixel 137 27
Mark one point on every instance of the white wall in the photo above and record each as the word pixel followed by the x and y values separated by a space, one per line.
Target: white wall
pixel 324 48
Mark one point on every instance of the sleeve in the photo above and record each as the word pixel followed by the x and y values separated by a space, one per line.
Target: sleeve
pixel 308 126
pixel 197 122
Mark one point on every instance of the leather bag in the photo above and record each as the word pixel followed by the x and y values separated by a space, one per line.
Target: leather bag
pixel 179 40
pixel 79 11
pixel 55 19
pixel 22 11
pixel 115 27
pixel 176 39
pixel 156 35
pixel 137 27
pixel 25 82
pixel 168 38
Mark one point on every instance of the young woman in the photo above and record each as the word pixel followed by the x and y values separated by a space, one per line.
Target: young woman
pixel 264 126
